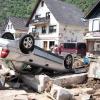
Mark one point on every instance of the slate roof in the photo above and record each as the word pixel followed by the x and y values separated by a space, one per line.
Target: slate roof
pixel 19 23
pixel 94 11
pixel 63 12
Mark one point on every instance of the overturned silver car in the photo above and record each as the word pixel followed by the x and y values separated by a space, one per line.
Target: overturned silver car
pixel 24 55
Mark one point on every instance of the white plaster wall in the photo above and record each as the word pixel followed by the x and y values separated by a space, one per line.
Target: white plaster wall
pixel 48 36
pixel 71 33
pixel 42 12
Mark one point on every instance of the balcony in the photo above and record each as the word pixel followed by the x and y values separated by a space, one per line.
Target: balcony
pixel 92 35
pixel 40 21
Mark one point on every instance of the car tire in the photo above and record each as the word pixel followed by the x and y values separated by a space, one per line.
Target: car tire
pixel 68 61
pixel 26 44
pixel 8 35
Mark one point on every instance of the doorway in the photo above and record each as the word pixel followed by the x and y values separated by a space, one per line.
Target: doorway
pixel 45 45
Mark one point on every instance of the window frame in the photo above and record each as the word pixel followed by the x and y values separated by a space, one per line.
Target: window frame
pixel 47 15
pixel 34 29
pixel 93 25
pixel 53 28
pixel 42 3
pixel 44 30
pixel 51 43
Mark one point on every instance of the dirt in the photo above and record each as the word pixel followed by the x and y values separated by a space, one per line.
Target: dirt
pixel 90 83
pixel 22 93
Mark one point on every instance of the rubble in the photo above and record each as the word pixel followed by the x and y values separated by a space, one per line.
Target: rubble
pixel 60 93
pixel 83 86
pixel 94 70
pixel 37 82
pixel 70 79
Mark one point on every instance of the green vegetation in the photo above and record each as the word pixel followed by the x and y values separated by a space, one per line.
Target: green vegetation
pixel 84 5
pixel 18 8
pixel 23 8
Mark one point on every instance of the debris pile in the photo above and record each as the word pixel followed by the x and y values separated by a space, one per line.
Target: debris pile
pixel 82 86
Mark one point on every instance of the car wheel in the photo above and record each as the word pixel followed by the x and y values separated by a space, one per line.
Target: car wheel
pixel 8 35
pixel 26 44
pixel 68 61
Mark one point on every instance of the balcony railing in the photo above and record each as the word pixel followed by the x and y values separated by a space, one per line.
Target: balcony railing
pixel 39 21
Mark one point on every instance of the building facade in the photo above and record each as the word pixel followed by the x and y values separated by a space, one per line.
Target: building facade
pixel 93 35
pixel 53 22
pixel 16 26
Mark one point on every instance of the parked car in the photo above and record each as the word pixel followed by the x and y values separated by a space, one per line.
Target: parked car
pixel 22 54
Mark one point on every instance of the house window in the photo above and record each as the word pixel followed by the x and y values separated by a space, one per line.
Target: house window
pixel 51 43
pixel 37 16
pixel 52 28
pixel 44 29
pixel 96 25
pixel 34 30
pixel 42 3
pixel 45 45
pixel 97 46
pixel 47 15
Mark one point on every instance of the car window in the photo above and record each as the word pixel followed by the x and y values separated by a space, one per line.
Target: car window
pixel 69 45
pixel 81 46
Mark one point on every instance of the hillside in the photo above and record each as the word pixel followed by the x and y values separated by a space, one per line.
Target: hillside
pixel 84 5
pixel 18 8
pixel 23 8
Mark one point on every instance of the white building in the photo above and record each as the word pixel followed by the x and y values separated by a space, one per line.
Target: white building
pixel 16 26
pixel 93 35
pixel 54 22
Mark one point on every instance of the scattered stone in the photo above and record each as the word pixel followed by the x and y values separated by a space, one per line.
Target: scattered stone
pixel 21 97
pixel 32 96
pixel 84 97
pixel 97 93
pixel 48 86
pixel 60 93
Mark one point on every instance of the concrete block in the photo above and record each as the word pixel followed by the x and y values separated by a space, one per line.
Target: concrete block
pixel 70 79
pixel 37 82
pixel 59 93
pixel 94 70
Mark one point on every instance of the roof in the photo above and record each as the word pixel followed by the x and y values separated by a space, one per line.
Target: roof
pixel 19 23
pixel 94 11
pixel 63 12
